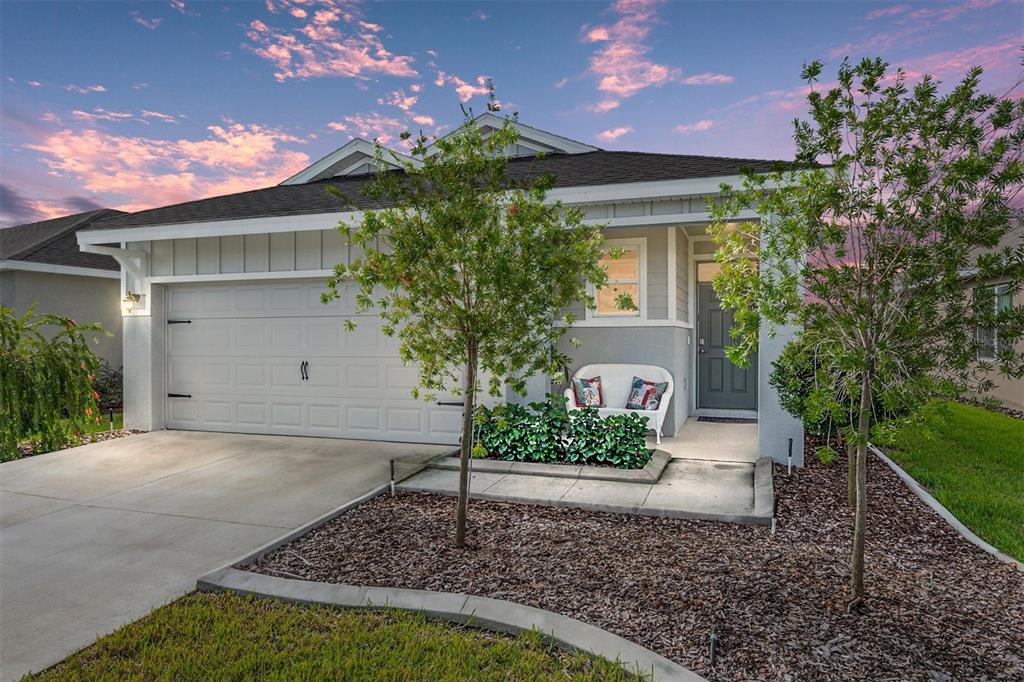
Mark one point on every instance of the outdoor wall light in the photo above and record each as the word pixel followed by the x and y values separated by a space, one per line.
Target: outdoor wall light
pixel 130 300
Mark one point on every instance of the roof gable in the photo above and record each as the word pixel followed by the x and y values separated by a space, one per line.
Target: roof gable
pixel 532 141
pixel 356 157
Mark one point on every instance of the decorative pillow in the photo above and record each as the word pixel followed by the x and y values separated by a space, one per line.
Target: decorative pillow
pixel 645 395
pixel 588 392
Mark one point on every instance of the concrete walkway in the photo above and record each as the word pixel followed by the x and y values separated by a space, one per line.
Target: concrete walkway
pixel 717 491
pixel 97 536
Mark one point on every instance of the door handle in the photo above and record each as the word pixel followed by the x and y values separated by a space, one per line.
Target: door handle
pixel 700 346
pixel 302 370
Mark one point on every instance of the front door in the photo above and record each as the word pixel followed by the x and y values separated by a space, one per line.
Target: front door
pixel 720 384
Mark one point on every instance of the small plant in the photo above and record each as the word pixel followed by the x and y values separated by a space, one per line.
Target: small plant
pixel 546 432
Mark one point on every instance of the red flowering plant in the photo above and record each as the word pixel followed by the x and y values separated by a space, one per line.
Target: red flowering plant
pixel 46 372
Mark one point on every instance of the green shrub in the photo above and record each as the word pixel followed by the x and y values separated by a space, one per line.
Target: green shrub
pixel 46 391
pixel 546 432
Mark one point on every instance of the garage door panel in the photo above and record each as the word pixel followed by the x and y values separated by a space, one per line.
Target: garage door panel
pixel 240 360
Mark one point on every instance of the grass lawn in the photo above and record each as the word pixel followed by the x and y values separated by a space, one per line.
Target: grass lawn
pixel 972 461
pixel 226 637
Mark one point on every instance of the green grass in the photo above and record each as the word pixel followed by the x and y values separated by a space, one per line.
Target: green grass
pixel 972 461
pixel 226 637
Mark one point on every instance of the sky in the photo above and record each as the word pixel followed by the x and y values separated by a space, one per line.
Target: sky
pixel 135 105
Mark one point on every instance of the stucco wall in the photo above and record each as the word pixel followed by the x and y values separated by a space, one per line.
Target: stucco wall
pixel 84 299
pixel 663 346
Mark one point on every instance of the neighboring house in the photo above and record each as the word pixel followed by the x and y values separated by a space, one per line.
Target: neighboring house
pixel 229 333
pixel 41 265
pixel 1010 391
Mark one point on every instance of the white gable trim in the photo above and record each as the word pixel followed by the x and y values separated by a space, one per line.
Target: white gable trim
pixel 53 269
pixel 354 146
pixel 528 133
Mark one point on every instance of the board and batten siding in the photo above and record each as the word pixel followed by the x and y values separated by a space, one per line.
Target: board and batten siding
pixel 313 250
pixel 682 274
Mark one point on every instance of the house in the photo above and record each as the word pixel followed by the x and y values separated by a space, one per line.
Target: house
pixel 1009 391
pixel 224 329
pixel 41 265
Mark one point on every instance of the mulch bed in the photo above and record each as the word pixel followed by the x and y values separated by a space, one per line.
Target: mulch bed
pixel 27 450
pixel 938 608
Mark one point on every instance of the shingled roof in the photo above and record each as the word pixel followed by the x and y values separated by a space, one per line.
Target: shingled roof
pixel 53 241
pixel 569 170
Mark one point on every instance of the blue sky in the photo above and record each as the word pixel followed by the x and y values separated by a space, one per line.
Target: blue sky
pixel 133 105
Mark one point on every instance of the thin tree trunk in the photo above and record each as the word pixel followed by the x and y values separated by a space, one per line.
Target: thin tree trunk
pixel 851 474
pixel 467 444
pixel 861 513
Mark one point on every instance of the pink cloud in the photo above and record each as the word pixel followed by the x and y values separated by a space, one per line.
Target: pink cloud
pixel 84 89
pixel 698 127
pixel 603 106
pixel 708 79
pixel 423 119
pixel 372 126
pixel 560 83
pixel 887 12
pixel 179 5
pixel 465 91
pixel 614 133
pixel 322 47
pixel 151 24
pixel 166 118
pixel 416 87
pixel 399 99
pixel 298 12
pixel 137 172
pixel 35 84
pixel 621 64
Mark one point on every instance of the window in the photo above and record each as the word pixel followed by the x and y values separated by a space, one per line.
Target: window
pixel 706 270
pixel 999 298
pixel 626 276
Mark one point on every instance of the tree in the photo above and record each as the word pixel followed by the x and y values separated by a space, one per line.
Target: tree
pixel 870 253
pixel 46 381
pixel 470 269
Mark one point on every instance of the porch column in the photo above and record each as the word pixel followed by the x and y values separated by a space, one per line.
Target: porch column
pixel 144 342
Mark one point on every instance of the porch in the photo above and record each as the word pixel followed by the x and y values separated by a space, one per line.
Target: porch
pixel 713 474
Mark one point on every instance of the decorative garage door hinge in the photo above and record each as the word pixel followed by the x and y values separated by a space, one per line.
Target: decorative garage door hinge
pixel 179 321
pixel 179 395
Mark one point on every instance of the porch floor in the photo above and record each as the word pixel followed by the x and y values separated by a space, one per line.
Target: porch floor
pixel 714 477
pixel 711 441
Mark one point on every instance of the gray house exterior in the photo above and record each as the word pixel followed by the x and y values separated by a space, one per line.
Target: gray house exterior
pixel 41 265
pixel 229 333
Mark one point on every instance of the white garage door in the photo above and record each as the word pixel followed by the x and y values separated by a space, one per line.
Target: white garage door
pixel 271 358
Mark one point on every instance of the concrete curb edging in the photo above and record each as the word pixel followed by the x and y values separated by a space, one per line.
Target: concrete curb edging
pixel 481 612
pixel 937 507
pixel 649 474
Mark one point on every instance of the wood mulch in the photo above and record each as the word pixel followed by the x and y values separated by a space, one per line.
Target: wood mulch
pixel 938 607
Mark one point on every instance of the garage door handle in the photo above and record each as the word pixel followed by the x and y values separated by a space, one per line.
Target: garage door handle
pixel 179 395
pixel 304 370
pixel 451 403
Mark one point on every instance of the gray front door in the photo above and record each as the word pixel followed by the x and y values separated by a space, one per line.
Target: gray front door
pixel 720 384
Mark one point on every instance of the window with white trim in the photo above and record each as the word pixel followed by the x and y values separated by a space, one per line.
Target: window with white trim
pixel 988 337
pixel 626 277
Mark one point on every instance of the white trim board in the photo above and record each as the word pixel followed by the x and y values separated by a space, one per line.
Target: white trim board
pixel 242 276
pixel 50 268
pixel 625 322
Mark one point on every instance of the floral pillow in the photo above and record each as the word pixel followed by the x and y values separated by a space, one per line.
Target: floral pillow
pixel 588 392
pixel 645 395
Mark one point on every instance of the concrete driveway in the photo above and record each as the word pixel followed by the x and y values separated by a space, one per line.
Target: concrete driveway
pixel 97 536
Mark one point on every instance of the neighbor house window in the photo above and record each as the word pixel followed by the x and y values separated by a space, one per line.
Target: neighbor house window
pixel 626 276
pixel 988 337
